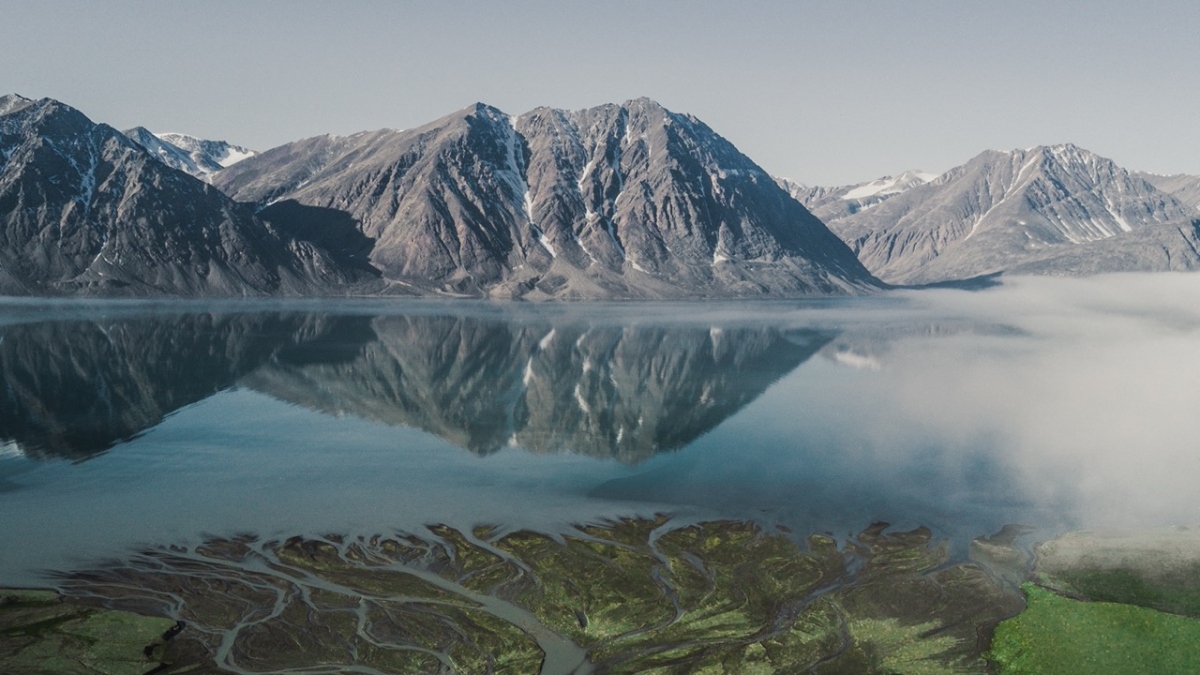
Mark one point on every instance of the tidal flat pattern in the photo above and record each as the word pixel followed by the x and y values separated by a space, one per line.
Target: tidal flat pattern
pixel 629 596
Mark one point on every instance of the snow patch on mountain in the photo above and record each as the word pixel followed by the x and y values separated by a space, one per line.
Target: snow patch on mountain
pixel 889 185
pixel 196 156
pixel 10 103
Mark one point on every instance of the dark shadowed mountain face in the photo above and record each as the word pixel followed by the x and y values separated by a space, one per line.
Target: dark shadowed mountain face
pixel 83 209
pixel 615 201
pixel 1021 211
pixel 76 388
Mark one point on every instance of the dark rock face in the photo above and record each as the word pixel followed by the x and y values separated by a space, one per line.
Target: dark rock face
pixel 615 201
pixel 1049 210
pixel 85 210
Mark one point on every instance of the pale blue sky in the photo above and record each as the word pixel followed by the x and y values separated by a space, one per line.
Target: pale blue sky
pixel 823 92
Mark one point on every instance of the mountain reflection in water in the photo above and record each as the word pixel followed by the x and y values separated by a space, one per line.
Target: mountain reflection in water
pixel 74 389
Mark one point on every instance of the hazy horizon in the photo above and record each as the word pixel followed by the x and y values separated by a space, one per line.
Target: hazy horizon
pixel 823 93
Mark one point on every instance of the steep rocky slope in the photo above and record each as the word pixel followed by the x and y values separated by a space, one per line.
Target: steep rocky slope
pixel 1022 209
pixel 616 201
pixel 83 209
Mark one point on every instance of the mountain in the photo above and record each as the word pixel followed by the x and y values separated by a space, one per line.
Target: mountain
pixel 1169 247
pixel 832 203
pixel 630 201
pixel 85 210
pixel 201 158
pixel 1181 186
pixel 1020 210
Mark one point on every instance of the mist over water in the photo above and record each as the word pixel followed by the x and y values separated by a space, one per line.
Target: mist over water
pixel 1057 403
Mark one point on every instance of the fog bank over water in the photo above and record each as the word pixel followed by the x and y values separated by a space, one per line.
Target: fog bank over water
pixel 1096 404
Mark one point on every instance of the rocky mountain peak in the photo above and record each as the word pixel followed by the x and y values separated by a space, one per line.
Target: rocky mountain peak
pixel 612 201
pixel 85 209
pixel 10 103
pixel 198 157
pixel 1003 210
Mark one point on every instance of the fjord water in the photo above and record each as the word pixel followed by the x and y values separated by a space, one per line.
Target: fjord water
pixel 1059 404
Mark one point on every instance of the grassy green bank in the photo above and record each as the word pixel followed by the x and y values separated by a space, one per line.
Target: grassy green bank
pixel 1056 635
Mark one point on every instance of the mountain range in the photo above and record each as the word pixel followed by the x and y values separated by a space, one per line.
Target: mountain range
pixel 832 203
pixel 198 157
pixel 627 200
pixel 620 201
pixel 1045 210
pixel 85 210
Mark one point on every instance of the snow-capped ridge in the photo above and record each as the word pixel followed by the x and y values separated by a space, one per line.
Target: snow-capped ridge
pixel 10 103
pixel 889 185
pixel 1005 210
pixel 199 157
pixel 557 203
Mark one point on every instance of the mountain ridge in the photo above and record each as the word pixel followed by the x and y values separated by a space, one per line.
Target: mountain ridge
pixel 617 201
pixel 196 156
pixel 85 210
pixel 1002 211
pixel 540 205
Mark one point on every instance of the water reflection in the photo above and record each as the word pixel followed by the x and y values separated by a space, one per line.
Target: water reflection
pixel 74 389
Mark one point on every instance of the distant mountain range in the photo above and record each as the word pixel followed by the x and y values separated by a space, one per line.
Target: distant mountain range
pixel 1183 187
pixel 192 155
pixel 832 203
pixel 1045 210
pixel 617 201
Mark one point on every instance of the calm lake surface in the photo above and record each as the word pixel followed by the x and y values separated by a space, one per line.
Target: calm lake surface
pixel 1059 404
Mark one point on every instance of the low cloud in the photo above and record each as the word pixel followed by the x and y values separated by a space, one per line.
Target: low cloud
pixel 1091 400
